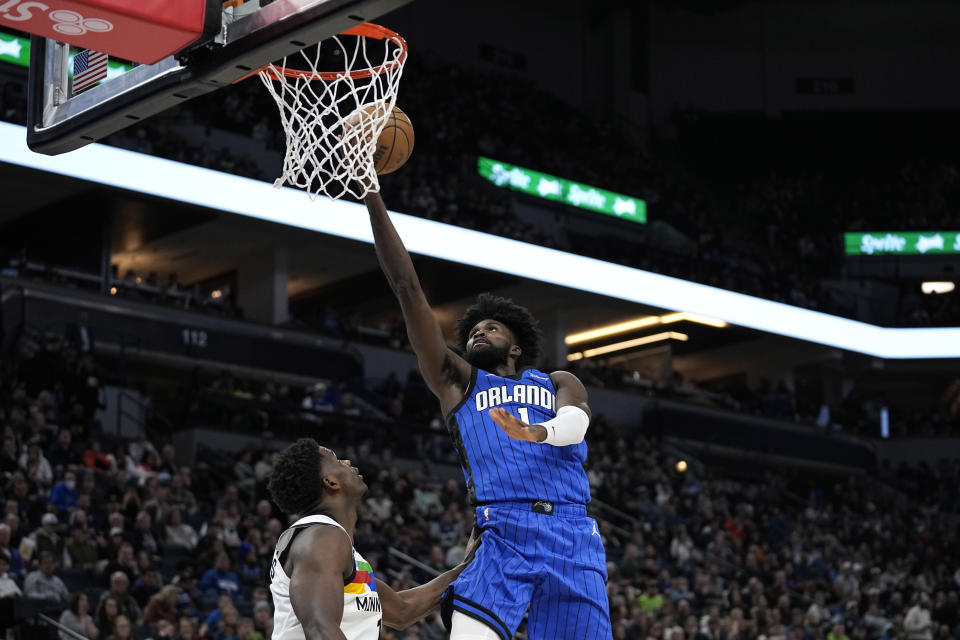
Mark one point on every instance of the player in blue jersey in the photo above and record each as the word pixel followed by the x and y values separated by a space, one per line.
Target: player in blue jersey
pixel 519 433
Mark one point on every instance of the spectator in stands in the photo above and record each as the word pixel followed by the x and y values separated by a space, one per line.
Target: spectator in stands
pixel 227 627
pixel 95 459
pixel 163 606
pixel 379 505
pixel 64 493
pixel 948 612
pixel 8 586
pixel 188 595
pixel 142 537
pixel 250 569
pixel 651 600
pixel 838 633
pixel 127 606
pixel 122 629
pixel 180 494
pixel 13 522
pixel 180 534
pixel 61 454
pixel 8 454
pixel 264 466
pixel 81 548
pixel 131 504
pixel 43 584
pixel 125 560
pixel 146 585
pixel 264 513
pixel 35 465
pixel 77 618
pixel 46 536
pixel 134 468
pixel 107 613
pixel 14 559
pixel 231 500
pixel 918 623
pixel 186 629
pixel 168 460
pixel 158 505
pixel 318 398
pixel 263 619
pixel 212 621
pixel 220 579
pixel 246 630
pixel 243 473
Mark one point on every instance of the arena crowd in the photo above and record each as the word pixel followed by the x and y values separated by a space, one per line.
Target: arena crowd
pixel 122 537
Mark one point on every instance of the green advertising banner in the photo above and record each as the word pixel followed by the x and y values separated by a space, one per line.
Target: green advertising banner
pixel 549 187
pixel 16 50
pixel 902 243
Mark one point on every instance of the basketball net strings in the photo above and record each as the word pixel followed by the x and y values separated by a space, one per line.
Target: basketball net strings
pixel 324 155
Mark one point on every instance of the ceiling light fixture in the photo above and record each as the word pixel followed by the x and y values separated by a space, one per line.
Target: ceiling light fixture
pixel 639 323
pixel 611 329
pixel 636 342
pixel 937 287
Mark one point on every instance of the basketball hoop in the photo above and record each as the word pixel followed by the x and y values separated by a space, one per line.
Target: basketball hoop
pixel 332 119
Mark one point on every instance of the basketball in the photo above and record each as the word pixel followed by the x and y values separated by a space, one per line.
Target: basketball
pixel 395 143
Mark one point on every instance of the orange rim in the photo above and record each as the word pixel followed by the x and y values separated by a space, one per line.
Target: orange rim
pixel 366 30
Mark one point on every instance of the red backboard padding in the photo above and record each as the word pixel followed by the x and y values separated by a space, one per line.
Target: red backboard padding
pixel 144 31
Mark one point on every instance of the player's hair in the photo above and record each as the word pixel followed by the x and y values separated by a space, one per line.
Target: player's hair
pixel 525 328
pixel 295 481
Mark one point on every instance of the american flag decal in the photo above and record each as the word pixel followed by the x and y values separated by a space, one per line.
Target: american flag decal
pixel 89 68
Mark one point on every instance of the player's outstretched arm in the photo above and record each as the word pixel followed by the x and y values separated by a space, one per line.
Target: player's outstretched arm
pixel 403 608
pixel 446 373
pixel 319 556
pixel 568 427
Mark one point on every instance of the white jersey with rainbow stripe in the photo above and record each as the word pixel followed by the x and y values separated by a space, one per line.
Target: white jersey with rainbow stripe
pixel 361 604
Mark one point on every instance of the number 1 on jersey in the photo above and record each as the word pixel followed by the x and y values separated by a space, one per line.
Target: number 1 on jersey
pixel 524 414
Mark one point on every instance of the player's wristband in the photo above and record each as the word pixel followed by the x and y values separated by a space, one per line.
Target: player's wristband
pixel 567 428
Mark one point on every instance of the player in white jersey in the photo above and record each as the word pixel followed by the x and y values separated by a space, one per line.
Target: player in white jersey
pixel 322 587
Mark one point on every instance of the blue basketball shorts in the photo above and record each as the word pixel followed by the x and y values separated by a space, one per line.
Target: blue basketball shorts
pixel 554 565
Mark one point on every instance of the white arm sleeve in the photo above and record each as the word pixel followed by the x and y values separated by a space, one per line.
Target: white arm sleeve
pixel 569 427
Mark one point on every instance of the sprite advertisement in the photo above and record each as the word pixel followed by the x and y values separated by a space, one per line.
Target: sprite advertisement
pixel 541 185
pixel 16 50
pixel 902 243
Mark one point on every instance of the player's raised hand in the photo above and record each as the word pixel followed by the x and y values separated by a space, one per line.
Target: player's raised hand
pixel 516 428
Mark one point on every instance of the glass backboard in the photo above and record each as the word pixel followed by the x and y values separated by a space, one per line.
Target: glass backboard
pixel 252 34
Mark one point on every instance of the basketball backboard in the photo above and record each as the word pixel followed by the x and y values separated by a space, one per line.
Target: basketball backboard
pixel 251 36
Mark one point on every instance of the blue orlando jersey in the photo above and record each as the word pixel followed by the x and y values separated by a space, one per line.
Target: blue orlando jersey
pixel 497 467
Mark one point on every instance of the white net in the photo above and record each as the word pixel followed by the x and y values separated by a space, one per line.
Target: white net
pixel 334 101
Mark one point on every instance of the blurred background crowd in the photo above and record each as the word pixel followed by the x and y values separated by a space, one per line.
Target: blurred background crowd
pixel 119 537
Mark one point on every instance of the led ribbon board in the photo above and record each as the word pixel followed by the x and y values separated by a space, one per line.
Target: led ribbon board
pixel 901 243
pixel 136 172
pixel 16 50
pixel 541 185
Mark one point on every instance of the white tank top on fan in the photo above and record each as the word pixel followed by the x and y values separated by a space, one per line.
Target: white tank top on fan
pixel 361 604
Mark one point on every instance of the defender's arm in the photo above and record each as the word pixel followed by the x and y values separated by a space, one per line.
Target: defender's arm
pixel 403 608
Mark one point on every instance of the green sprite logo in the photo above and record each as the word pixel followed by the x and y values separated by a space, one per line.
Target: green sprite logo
pixel 882 244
